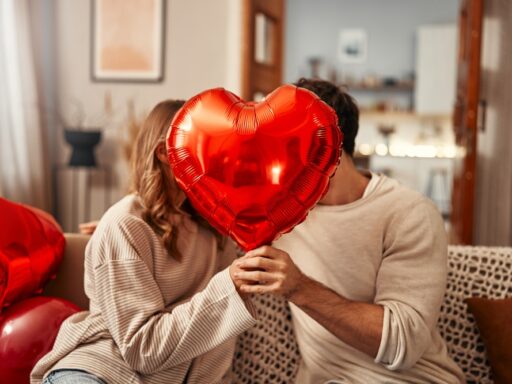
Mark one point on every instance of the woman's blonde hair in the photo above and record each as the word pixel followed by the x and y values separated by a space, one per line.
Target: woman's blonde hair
pixel 152 179
pixel 162 199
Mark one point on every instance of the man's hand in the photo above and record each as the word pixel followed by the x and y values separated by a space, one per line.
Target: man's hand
pixel 234 269
pixel 269 270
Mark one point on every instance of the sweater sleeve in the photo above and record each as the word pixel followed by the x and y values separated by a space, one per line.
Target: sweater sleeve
pixel 411 283
pixel 150 338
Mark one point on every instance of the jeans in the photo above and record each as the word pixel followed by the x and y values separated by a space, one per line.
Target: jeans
pixel 71 376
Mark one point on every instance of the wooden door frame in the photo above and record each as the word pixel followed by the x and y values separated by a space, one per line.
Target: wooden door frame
pixel 465 119
pixel 249 66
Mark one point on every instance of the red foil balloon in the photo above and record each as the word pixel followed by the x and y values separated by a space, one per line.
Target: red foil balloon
pixel 254 170
pixel 27 332
pixel 31 249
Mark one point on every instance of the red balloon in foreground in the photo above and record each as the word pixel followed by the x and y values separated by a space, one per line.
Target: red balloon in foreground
pixel 27 332
pixel 254 170
pixel 31 249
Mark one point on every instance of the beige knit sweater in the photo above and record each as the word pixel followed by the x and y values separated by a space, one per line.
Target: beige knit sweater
pixel 152 319
pixel 387 248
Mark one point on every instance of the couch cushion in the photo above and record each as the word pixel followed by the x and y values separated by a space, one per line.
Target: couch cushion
pixel 69 282
pixel 472 271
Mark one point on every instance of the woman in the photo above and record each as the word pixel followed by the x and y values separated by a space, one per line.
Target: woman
pixel 163 304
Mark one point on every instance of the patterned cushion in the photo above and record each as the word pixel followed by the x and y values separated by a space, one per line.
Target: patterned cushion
pixel 472 272
pixel 268 353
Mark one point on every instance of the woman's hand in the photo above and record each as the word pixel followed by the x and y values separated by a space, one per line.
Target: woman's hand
pixel 88 228
pixel 268 270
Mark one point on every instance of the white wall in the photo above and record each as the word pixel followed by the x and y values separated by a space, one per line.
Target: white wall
pixel 198 52
pixel 202 51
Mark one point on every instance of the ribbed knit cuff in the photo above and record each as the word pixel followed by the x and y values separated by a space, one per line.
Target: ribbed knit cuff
pixel 224 285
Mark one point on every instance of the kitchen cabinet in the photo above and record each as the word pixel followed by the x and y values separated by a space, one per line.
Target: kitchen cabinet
pixel 435 69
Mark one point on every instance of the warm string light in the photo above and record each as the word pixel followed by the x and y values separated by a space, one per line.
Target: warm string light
pixel 407 150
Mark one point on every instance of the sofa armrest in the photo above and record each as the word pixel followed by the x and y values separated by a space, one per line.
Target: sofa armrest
pixel 69 283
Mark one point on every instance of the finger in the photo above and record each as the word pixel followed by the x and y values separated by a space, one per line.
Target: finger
pixel 86 230
pixel 256 288
pixel 258 276
pixel 264 251
pixel 89 224
pixel 258 262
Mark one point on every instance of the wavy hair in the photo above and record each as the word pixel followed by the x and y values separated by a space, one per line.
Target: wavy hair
pixel 162 200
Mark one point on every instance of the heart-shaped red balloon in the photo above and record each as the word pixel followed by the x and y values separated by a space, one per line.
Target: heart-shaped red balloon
pixel 254 170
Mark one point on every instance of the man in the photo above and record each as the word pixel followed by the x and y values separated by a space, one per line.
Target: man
pixel 365 275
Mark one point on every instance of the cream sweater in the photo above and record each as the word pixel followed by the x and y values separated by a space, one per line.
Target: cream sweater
pixel 387 248
pixel 152 319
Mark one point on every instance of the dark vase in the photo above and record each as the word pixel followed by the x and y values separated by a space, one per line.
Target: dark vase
pixel 82 144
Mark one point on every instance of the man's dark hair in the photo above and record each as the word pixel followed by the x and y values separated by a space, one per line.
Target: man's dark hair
pixel 344 105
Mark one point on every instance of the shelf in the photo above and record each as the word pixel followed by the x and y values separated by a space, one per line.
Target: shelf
pixel 400 115
pixel 380 88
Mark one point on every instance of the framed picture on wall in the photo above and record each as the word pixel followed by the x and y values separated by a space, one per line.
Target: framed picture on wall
pixel 353 46
pixel 127 40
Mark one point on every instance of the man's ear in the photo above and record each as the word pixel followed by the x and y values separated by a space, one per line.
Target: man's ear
pixel 161 153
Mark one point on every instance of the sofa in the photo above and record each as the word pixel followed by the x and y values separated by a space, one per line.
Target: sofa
pixel 268 352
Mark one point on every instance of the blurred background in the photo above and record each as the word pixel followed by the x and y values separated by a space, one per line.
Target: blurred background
pixel 431 78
